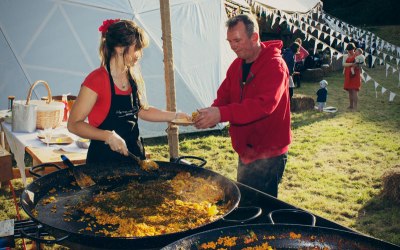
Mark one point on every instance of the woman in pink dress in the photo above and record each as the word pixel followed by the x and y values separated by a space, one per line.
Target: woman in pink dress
pixel 352 83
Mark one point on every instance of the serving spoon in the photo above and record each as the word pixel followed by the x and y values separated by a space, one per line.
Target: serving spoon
pixel 147 165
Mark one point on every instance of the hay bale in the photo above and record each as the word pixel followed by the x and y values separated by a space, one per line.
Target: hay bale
pixel 336 63
pixel 391 185
pixel 326 68
pixel 313 75
pixel 300 103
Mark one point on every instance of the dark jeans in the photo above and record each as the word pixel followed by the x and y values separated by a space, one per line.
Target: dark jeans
pixel 297 80
pixel 264 174
pixel 291 91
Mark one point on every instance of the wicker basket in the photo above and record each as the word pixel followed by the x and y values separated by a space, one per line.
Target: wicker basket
pixel 49 113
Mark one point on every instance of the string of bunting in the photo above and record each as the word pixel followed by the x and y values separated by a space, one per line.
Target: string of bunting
pixel 382 60
pixel 334 35
pixel 367 78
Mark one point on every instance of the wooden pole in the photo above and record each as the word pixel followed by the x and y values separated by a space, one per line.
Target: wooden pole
pixel 172 131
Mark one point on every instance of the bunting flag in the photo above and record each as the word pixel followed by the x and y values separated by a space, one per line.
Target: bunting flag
pixel 273 20
pixel 331 40
pixel 315 46
pixel 376 86
pixel 391 96
pixel 387 67
pixel 383 90
pixel 368 78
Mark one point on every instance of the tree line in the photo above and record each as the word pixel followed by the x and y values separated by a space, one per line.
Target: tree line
pixel 365 12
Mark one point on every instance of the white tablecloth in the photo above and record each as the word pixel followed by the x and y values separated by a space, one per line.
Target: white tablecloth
pixel 18 142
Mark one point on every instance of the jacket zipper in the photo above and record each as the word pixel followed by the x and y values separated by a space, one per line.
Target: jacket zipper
pixel 241 90
pixel 242 84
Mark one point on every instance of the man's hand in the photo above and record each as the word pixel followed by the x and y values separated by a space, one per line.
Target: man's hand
pixel 207 118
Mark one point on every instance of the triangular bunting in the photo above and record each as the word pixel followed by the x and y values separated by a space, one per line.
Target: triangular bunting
pixel 331 40
pixel 373 60
pixel 344 45
pixel 376 86
pixel 274 17
pixel 387 67
pixel 391 96
pixel 315 45
pixel 368 78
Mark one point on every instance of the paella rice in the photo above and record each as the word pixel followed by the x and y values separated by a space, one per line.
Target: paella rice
pixel 153 207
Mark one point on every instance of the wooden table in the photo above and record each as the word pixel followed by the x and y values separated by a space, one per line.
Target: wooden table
pixel 40 156
pixel 22 143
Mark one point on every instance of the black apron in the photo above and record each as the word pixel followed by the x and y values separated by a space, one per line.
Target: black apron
pixel 122 118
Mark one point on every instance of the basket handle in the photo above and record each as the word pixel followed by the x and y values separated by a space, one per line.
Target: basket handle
pixel 49 96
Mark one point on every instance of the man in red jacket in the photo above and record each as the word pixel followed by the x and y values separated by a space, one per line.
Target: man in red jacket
pixel 254 99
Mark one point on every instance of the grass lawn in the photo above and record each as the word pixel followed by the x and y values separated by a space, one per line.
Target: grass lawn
pixel 336 161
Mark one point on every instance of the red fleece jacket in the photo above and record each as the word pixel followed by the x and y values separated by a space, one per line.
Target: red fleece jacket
pixel 259 114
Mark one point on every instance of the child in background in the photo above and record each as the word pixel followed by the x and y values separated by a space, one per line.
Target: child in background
pixel 359 60
pixel 322 94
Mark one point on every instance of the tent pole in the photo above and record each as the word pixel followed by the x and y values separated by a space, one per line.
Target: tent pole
pixel 172 130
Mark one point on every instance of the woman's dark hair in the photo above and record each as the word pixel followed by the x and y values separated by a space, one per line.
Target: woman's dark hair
pixel 295 47
pixel 350 46
pixel 123 33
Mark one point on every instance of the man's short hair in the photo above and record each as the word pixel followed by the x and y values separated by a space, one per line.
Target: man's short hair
pixel 249 22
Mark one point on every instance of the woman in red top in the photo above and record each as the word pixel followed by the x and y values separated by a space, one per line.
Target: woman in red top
pixel 112 97
pixel 352 83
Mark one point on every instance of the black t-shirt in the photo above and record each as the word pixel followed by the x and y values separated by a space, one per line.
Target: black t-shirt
pixel 246 69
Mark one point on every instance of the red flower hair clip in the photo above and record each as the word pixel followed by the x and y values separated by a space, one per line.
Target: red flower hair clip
pixel 106 24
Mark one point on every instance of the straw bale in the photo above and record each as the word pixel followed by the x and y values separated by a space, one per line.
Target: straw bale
pixel 301 103
pixel 313 75
pixel 391 184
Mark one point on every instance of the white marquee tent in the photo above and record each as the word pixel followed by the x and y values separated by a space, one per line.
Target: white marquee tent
pixel 57 41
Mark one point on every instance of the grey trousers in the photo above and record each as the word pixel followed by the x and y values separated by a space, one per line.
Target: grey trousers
pixel 264 174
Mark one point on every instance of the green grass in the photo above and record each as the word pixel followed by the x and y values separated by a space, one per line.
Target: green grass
pixel 336 161
pixel 390 33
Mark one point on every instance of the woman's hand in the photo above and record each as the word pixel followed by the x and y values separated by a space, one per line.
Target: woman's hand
pixel 117 144
pixel 181 115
